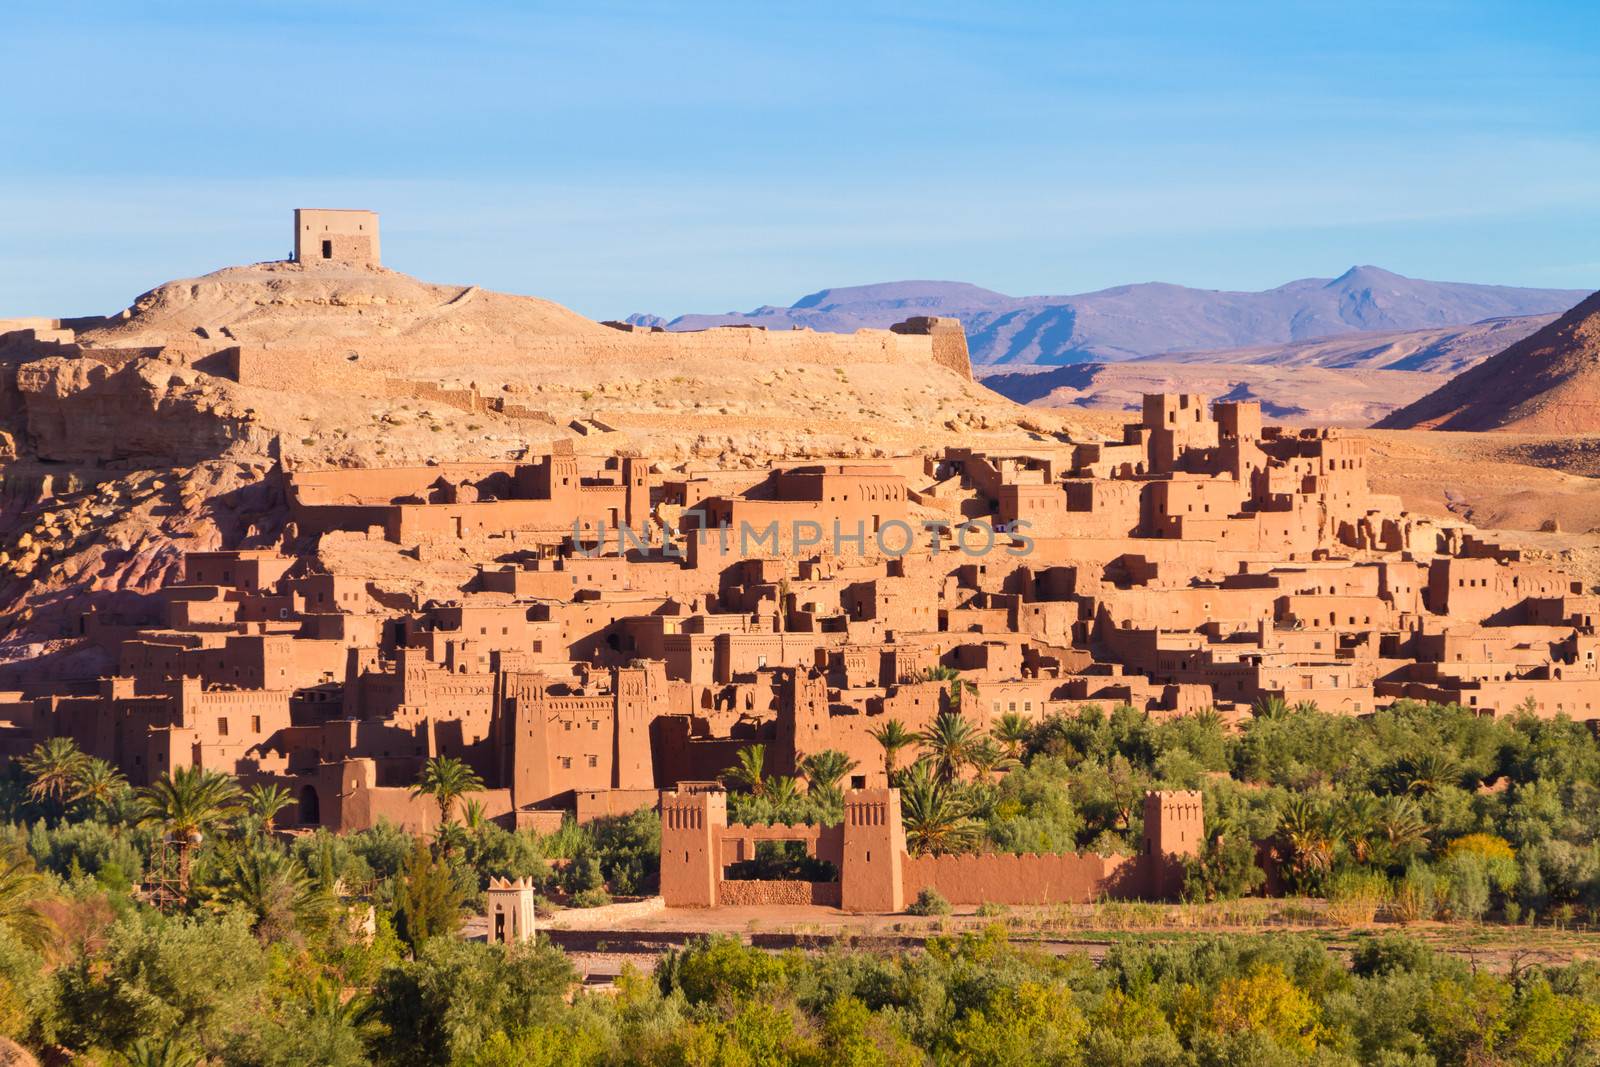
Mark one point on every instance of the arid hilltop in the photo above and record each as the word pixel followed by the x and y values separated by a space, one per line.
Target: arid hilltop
pixel 352 363
pixel 1546 383
pixel 128 439
pixel 288 301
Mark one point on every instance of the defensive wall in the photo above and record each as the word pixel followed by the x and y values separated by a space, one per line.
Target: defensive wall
pixel 353 364
pixel 876 874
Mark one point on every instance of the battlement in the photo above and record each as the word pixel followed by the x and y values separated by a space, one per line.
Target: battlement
pixel 511 911
pixel 693 811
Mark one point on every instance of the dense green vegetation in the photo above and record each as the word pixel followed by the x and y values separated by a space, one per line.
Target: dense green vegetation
pixel 1424 810
pixel 155 990
pixel 254 954
pixel 324 949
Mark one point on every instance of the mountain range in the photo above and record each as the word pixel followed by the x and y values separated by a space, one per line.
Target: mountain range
pixel 1152 319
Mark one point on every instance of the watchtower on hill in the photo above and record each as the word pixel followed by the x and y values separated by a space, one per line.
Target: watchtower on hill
pixel 328 235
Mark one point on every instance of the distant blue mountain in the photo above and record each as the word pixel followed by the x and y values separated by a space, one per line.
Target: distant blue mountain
pixel 1133 321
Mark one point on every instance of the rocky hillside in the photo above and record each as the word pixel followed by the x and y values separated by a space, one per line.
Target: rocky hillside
pixel 1547 383
pixel 129 439
pixel 1151 319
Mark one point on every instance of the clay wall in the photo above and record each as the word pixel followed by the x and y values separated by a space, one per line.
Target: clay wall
pixel 252 571
pixel 949 341
pixel 350 799
pixel 302 366
pixel 592 804
pixel 1004 878
pixel 747 893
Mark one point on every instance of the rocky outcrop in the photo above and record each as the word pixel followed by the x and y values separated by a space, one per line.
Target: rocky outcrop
pixel 80 410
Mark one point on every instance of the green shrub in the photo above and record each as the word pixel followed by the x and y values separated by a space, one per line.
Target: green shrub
pixel 1466 886
pixel 929 902
pixel 1354 896
pixel 591 898
pixel 1415 896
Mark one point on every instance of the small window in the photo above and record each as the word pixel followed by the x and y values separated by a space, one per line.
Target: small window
pixel 222 727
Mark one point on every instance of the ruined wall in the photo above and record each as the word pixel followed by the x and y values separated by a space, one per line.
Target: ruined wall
pixel 948 341
pixel 752 893
pixel 364 364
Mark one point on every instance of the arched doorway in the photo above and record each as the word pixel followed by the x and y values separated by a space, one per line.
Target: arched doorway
pixel 310 808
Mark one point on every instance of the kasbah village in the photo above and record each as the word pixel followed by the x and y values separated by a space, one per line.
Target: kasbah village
pixel 586 629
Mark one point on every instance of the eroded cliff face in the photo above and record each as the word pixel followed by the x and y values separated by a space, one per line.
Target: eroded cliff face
pixel 147 411
pixel 70 545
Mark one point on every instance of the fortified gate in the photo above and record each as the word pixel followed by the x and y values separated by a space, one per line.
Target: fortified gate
pixel 877 875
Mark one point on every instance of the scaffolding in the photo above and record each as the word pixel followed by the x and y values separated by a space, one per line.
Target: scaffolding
pixel 167 886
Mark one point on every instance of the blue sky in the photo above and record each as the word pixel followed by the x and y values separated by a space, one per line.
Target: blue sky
pixel 705 157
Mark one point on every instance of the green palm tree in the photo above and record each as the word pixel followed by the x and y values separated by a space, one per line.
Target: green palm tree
pixel 934 813
pixel 21 889
pixel 1013 731
pixel 1309 840
pixel 892 736
pixel 748 770
pixel 325 1003
pixel 783 793
pixel 474 815
pixel 1425 772
pixel 188 802
pixel 98 785
pixel 987 759
pixel 265 801
pixel 950 742
pixel 446 779
pixel 272 889
pixel 1356 821
pixel 1270 708
pixel 54 767
pixel 826 769
pixel 1400 827
pixel 955 685
pixel 148 1052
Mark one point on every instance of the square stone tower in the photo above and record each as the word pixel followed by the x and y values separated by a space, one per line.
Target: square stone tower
pixel 691 848
pixel 872 875
pixel 1174 830
pixel 328 235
